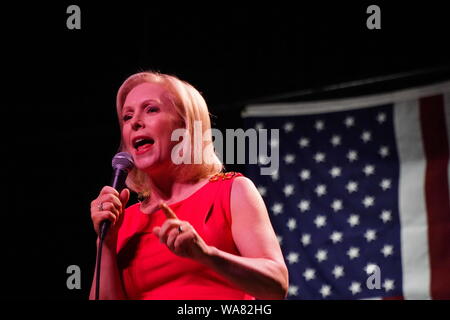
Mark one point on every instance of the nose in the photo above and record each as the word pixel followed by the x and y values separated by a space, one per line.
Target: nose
pixel 137 124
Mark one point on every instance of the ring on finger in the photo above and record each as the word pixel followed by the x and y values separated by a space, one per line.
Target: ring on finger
pixel 100 206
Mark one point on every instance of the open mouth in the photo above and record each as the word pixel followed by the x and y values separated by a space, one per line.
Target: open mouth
pixel 142 143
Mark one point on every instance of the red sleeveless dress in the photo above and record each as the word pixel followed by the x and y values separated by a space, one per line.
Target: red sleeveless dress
pixel 151 271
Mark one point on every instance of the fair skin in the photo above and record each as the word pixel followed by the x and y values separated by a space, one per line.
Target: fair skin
pixel 259 269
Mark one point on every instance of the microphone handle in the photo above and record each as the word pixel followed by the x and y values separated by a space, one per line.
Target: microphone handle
pixel 118 183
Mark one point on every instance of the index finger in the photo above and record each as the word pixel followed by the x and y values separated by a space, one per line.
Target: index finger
pixel 167 211
pixel 108 189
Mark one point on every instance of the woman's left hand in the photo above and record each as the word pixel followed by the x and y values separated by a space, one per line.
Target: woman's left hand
pixel 181 238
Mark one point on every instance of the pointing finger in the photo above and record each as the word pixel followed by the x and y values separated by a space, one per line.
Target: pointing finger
pixel 167 211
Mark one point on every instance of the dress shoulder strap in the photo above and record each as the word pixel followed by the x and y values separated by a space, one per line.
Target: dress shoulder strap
pixel 225 176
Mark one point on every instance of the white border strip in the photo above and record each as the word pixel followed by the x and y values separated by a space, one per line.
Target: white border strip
pixel 413 215
pixel 302 108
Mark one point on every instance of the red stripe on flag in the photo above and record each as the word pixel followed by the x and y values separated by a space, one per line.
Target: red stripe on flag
pixel 437 200
pixel 394 298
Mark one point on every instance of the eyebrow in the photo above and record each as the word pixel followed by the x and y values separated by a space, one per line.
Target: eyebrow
pixel 127 108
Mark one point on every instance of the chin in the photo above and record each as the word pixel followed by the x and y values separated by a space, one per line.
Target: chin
pixel 145 164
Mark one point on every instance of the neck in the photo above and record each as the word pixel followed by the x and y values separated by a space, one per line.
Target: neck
pixel 164 185
pixel 167 186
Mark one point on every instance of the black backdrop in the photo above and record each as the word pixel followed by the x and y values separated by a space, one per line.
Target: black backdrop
pixel 59 89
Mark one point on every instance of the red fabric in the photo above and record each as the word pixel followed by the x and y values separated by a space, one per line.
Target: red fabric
pixel 434 132
pixel 151 271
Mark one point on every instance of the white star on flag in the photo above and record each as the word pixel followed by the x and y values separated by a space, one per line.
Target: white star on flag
pixel 263 160
pixel 368 201
pixel 369 170
pixel 288 126
pixel 335 172
pixel 385 184
pixel 352 186
pixel 275 175
pixel 370 268
pixel 387 250
pixel 320 221
pixel 321 255
pixel 370 235
pixel 319 125
pixel 338 271
pixel 306 239
pixel 309 274
pixel 262 190
pixel 280 239
pixel 288 190
pixel 293 290
pixel 292 224
pixel 384 151
pixel 303 142
pixel 321 190
pixel 277 208
pixel 381 117
pixel 335 140
pixel 386 216
pixel 319 157
pixel 274 142
pixel 259 125
pixel 289 159
pixel 353 220
pixel 349 122
pixel 352 155
pixel 355 287
pixel 336 237
pixel 336 205
pixel 303 205
pixel 388 285
pixel 305 174
pixel 366 136
pixel 325 291
pixel 353 253
pixel 292 257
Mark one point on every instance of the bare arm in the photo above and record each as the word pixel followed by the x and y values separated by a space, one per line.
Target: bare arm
pixel 260 270
pixel 111 287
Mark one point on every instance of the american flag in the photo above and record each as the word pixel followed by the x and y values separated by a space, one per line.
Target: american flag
pixel 360 201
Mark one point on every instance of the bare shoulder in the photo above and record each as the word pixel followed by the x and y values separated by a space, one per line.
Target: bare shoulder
pixel 243 188
pixel 245 195
pixel 251 226
pixel 242 183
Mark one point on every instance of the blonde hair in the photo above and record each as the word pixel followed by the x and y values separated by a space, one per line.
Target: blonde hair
pixel 191 107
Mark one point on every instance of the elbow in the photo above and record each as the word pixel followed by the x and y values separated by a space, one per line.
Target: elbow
pixel 280 285
pixel 283 282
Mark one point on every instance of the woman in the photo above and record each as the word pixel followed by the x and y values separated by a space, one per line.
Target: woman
pixel 198 233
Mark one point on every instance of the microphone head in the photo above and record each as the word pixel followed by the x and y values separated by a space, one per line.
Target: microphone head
pixel 123 161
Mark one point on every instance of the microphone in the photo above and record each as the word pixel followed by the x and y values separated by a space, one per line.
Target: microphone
pixel 122 164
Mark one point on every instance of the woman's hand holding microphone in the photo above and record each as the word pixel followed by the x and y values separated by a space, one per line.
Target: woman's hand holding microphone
pixel 109 205
pixel 179 236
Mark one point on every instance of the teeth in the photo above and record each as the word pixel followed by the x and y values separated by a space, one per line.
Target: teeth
pixel 140 140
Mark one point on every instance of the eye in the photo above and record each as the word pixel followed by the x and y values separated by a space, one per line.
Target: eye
pixel 126 117
pixel 151 109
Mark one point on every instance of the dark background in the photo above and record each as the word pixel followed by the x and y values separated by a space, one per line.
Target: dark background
pixel 59 90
